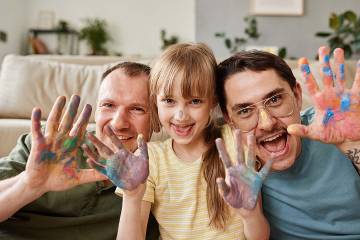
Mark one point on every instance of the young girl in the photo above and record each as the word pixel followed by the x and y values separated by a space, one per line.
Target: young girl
pixel 181 189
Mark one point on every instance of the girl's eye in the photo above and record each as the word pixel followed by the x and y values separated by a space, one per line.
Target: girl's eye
pixel 168 100
pixel 196 101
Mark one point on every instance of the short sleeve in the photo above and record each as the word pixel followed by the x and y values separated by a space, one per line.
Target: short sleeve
pixel 15 162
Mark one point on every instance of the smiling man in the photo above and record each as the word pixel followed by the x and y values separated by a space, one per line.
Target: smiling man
pixel 314 190
pixel 47 190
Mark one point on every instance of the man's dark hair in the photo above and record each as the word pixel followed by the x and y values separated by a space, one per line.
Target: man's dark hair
pixel 253 60
pixel 131 69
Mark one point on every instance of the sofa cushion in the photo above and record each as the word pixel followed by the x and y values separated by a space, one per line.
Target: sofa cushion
pixel 26 83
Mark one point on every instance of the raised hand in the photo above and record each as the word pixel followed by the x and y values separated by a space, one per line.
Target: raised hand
pixel 242 183
pixel 123 168
pixel 53 163
pixel 337 117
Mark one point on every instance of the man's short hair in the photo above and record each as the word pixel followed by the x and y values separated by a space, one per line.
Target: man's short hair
pixel 131 69
pixel 253 60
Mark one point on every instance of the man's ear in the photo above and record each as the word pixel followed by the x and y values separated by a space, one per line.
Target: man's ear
pixel 298 95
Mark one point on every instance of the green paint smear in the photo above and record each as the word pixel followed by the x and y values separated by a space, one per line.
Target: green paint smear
pixel 70 144
pixel 47 156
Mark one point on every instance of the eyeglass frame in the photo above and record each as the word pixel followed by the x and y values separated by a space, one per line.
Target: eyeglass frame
pixel 292 97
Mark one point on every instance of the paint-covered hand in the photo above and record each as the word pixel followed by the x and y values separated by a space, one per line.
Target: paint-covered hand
pixel 53 161
pixel 125 169
pixel 242 183
pixel 337 109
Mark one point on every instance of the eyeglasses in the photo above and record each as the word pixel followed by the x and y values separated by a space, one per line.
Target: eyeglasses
pixel 278 105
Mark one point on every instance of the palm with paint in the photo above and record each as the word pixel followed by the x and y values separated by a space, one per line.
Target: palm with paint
pixel 337 109
pixel 52 164
pixel 242 183
pixel 125 169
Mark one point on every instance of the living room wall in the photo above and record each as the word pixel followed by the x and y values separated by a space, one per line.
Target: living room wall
pixel 12 21
pixel 297 34
pixel 134 24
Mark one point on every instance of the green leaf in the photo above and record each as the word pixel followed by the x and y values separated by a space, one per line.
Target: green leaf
pixel 347 51
pixel 350 16
pixel 3 36
pixel 282 52
pixel 240 40
pixel 323 34
pixel 220 34
pixel 334 21
pixel 228 43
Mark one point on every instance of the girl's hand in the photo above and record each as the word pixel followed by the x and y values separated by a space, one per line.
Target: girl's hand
pixel 242 183
pixel 123 168
pixel 337 109
pixel 53 161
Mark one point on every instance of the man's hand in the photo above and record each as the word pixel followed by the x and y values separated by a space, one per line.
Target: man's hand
pixel 123 168
pixel 337 109
pixel 53 161
pixel 242 183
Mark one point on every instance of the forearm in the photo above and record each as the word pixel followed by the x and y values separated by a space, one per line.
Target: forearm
pixel 256 227
pixel 352 151
pixel 6 183
pixel 14 195
pixel 130 226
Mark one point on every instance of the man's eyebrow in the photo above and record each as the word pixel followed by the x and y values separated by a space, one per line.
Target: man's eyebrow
pixel 268 95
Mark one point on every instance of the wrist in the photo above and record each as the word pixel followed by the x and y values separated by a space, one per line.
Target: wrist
pixel 30 190
pixel 250 214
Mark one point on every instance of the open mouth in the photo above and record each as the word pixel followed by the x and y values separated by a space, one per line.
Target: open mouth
pixel 275 144
pixel 124 138
pixel 182 130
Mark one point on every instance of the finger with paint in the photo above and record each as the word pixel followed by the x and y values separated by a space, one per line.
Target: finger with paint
pixel 339 70
pixel 53 121
pixel 123 168
pixel 309 79
pixel 326 71
pixel 242 184
pixel 69 115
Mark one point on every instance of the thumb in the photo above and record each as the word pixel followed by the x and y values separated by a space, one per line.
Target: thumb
pixel 223 187
pixel 142 146
pixel 298 130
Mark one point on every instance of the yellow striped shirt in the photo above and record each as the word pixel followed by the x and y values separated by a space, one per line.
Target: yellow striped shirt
pixel 177 192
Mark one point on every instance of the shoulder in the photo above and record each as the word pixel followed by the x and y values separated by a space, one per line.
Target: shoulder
pixel 158 147
pixel 15 162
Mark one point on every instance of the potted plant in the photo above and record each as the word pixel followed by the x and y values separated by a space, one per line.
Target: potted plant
pixel 96 35
pixel 233 45
pixel 167 41
pixel 345 32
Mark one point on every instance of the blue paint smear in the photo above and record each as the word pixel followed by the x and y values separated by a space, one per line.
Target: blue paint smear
pixel 326 59
pixel 68 163
pixel 305 68
pixel 327 71
pixel 113 176
pixel 342 71
pixel 47 156
pixel 345 103
pixel 328 116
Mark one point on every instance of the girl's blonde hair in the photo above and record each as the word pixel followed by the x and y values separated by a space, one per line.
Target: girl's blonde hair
pixel 194 65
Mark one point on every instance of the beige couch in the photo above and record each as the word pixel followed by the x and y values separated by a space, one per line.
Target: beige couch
pixel 28 81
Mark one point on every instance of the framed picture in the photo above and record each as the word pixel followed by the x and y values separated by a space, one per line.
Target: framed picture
pixel 46 20
pixel 277 7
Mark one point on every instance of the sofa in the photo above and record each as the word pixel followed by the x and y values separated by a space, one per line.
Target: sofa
pixel 37 80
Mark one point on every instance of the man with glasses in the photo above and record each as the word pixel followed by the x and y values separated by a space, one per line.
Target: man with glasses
pixel 314 189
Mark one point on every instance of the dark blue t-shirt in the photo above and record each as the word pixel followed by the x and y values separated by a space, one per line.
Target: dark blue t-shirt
pixel 317 198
